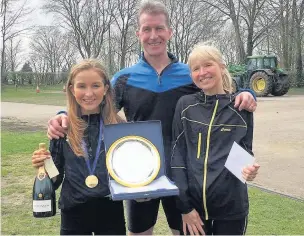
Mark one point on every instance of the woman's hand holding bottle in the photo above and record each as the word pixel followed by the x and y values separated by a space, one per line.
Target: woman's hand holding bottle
pixel 39 156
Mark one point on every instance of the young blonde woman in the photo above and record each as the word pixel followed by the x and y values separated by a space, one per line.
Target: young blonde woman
pixel 205 125
pixel 80 156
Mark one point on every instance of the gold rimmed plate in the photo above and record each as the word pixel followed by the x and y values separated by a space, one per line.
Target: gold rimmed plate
pixel 133 161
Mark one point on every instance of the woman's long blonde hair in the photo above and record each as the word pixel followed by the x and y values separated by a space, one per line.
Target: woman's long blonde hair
pixel 107 109
pixel 207 52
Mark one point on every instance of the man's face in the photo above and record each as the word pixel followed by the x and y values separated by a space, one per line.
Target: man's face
pixel 153 34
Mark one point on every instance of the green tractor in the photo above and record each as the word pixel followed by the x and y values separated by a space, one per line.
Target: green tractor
pixel 261 74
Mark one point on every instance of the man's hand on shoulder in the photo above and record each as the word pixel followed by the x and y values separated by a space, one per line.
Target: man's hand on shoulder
pixel 245 100
pixel 57 126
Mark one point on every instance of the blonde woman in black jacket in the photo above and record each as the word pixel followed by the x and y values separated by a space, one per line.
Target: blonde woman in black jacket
pixel 205 125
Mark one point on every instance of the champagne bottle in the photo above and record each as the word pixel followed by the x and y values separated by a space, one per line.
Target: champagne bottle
pixel 44 198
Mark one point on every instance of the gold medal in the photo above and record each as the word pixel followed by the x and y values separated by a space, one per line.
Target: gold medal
pixel 91 181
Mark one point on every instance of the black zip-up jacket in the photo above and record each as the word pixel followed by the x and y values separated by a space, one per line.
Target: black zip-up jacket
pixel 73 170
pixel 205 128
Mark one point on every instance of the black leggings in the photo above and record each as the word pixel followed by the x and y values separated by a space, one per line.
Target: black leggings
pixel 225 227
pixel 101 216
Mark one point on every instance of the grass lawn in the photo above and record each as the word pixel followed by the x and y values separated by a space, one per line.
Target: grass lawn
pixel 49 95
pixel 296 91
pixel 269 213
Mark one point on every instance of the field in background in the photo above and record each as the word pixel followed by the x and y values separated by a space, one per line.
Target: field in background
pixel 48 95
pixel 295 91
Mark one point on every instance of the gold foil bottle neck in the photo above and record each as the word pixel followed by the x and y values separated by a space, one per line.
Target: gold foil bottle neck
pixel 42 146
pixel 41 171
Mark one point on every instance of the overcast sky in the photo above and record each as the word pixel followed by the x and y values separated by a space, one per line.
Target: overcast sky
pixel 36 18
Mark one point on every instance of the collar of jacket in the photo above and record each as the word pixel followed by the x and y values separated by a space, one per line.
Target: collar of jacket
pixel 225 98
pixel 92 118
pixel 173 58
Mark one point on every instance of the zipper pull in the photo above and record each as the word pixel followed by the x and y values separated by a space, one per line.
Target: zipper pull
pixel 159 79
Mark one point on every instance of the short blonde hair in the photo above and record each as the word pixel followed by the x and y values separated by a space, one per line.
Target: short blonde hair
pixel 207 52
pixel 154 8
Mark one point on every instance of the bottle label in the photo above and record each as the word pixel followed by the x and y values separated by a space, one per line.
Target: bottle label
pixel 42 205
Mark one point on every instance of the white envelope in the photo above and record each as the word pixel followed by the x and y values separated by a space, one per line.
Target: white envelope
pixel 238 158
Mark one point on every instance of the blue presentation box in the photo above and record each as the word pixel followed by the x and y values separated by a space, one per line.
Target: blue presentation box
pixel 161 186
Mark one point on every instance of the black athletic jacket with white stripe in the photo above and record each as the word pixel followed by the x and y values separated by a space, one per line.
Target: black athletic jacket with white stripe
pixel 205 128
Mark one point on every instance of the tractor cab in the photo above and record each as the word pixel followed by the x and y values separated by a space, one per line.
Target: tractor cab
pixel 261 62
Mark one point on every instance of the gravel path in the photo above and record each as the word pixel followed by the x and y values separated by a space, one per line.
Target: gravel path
pixel 31 114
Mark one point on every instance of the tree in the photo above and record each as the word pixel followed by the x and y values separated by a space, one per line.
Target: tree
pixel 39 65
pixel 13 54
pixel 282 31
pixel 68 52
pixel 26 67
pixel 12 18
pixel 285 36
pixel 88 20
pixel 298 16
pixel 125 25
pixel 227 49
pixel 28 73
pixel 244 15
pixel 47 41
pixel 191 23
pixel 13 57
pixel 55 47
pixel 232 11
pixel 54 51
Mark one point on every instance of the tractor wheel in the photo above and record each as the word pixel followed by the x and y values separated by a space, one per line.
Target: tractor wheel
pixel 261 84
pixel 281 87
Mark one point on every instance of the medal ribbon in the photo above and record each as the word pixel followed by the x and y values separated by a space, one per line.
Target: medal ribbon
pixel 84 147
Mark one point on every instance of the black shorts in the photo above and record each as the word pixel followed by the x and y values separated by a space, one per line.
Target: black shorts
pixel 143 215
pixel 101 216
pixel 225 227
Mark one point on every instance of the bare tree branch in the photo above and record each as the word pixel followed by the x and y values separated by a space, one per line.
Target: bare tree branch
pixel 12 18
